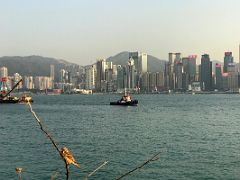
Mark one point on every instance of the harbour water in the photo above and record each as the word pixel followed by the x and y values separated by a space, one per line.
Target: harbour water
pixel 198 136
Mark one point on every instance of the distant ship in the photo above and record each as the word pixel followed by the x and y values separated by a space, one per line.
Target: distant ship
pixel 6 98
pixel 126 100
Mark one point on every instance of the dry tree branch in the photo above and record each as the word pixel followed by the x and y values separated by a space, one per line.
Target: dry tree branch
pixel 153 158
pixel 99 167
pixel 51 139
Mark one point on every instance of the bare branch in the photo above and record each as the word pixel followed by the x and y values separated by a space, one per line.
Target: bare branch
pixel 153 158
pixel 99 167
pixel 50 138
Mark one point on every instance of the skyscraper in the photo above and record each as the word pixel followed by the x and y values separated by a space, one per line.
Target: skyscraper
pixel 100 74
pixel 52 71
pixel 219 79
pixel 232 77
pixel 228 58
pixel 90 79
pixel 206 73
pixel 178 75
pixel 3 72
pixel 131 74
pixel 140 61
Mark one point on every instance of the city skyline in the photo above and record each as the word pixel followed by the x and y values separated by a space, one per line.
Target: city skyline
pixel 83 31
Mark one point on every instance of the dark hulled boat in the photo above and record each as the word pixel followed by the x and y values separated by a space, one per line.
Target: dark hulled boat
pixel 125 103
pixel 6 98
pixel 126 100
pixel 9 100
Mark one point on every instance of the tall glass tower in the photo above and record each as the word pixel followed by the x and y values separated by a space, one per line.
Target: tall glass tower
pixel 228 58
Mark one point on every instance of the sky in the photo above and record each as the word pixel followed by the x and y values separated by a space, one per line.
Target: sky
pixel 82 31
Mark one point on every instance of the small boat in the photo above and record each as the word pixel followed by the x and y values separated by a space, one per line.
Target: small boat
pixel 5 96
pixel 126 100
pixel 9 100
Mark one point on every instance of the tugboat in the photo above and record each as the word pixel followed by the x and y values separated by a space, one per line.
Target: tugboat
pixel 126 100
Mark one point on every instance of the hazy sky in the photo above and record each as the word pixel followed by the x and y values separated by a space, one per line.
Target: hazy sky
pixel 81 31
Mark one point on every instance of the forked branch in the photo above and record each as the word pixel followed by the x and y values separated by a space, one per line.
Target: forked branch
pixel 51 139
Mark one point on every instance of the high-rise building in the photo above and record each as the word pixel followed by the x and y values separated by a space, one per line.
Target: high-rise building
pixel 145 83
pixel 121 77
pixel 140 61
pixel 143 63
pixel 178 75
pixel 170 80
pixel 16 78
pixel 228 58
pixel 90 78
pixel 63 73
pixel 100 71
pixel 160 81
pixel 3 72
pixel 218 76
pixel 131 75
pixel 232 77
pixel 177 58
pixel 206 73
pixel 28 82
pixel 52 75
pixel 42 82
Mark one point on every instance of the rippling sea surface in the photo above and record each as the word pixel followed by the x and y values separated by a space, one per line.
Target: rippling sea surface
pixel 198 137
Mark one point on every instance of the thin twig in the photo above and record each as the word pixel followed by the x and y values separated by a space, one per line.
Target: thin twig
pixel 99 167
pixel 50 138
pixel 153 158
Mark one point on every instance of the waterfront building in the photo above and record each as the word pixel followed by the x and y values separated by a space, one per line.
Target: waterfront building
pixel 131 75
pixel 169 72
pixel 28 82
pixel 140 61
pixel 177 58
pixel 171 67
pixel 206 73
pixel 145 83
pixel 228 58
pixel 192 67
pixel 109 80
pixel 178 75
pixel 225 81
pixel 16 78
pixel 52 75
pixel 63 74
pixel 143 63
pixel 90 77
pixel 218 76
pixel 121 78
pixel 3 72
pixel 189 68
pixel 152 82
pixel 160 81
pixel 42 83
pixel 232 77
pixel 100 74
